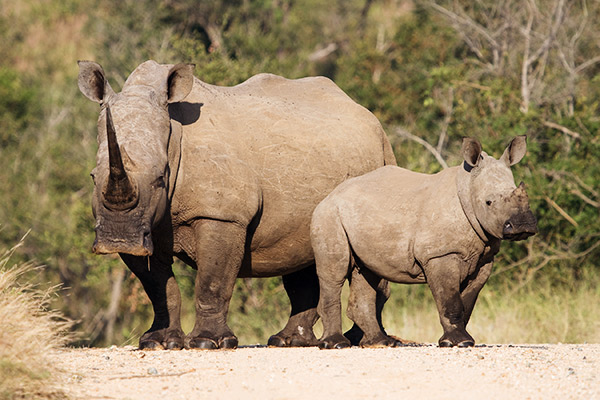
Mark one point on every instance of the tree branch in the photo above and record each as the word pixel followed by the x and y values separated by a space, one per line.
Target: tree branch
pixel 561 211
pixel 465 21
pixel 404 133
pixel 587 64
pixel 563 129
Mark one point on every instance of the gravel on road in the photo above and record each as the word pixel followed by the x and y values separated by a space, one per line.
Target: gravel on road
pixel 538 371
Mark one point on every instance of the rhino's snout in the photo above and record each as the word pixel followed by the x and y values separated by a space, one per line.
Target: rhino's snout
pixel 137 244
pixel 520 226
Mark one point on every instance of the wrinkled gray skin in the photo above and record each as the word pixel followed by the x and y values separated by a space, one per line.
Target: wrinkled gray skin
pixel 407 227
pixel 226 179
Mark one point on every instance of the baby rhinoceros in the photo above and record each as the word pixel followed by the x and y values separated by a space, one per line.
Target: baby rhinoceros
pixel 407 227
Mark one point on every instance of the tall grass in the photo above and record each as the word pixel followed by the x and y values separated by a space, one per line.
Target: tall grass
pixel 29 332
pixel 540 312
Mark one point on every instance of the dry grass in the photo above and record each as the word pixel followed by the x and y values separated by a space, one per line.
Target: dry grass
pixel 29 334
pixel 539 313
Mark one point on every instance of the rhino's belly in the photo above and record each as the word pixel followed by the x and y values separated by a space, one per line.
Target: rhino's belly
pixel 279 247
pixel 397 270
pixel 278 260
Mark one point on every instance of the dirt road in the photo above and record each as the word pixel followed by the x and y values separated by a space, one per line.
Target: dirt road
pixel 426 372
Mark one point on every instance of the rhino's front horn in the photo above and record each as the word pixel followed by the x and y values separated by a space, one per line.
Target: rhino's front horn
pixel 120 192
pixel 520 190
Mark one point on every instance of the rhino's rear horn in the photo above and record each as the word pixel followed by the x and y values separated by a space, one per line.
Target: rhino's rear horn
pixel 120 192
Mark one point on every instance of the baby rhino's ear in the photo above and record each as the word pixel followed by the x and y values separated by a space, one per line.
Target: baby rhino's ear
pixel 515 151
pixel 471 150
pixel 180 82
pixel 92 82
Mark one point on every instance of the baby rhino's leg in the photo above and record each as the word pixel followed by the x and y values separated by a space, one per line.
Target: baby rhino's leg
pixel 332 256
pixel 363 308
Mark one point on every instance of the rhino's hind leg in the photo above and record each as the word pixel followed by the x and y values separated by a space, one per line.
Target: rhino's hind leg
pixel 302 288
pixel 355 334
pixel 159 283
pixel 368 293
pixel 333 258
pixel 219 253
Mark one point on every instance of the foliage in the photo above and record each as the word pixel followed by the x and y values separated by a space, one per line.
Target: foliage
pixel 426 69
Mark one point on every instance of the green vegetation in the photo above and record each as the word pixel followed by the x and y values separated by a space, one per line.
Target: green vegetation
pixel 431 71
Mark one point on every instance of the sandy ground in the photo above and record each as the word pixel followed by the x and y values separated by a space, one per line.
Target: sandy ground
pixel 513 372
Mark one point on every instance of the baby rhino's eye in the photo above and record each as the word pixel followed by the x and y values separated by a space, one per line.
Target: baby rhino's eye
pixel 159 182
pixel 488 202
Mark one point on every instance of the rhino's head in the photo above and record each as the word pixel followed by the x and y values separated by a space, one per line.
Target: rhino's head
pixel 501 208
pixel 131 176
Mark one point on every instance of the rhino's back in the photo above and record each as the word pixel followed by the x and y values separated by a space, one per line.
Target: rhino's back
pixel 287 143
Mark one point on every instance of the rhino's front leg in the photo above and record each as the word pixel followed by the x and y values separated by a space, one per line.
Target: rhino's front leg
pixel 219 253
pixel 471 291
pixel 156 276
pixel 443 277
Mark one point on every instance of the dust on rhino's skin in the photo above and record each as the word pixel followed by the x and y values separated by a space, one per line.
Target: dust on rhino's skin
pixel 225 178
pixel 442 229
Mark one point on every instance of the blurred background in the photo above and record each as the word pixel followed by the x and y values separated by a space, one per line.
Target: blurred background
pixel 431 71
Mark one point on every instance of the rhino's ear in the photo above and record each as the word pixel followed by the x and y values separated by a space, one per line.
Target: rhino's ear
pixel 92 82
pixel 515 151
pixel 471 151
pixel 180 82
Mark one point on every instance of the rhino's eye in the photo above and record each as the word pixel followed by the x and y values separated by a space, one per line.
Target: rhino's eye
pixel 488 202
pixel 159 182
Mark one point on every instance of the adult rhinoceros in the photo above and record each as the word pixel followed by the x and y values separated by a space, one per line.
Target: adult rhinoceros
pixel 226 179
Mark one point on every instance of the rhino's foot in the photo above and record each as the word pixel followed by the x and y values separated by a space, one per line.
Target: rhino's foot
pixel 336 341
pixel 299 337
pixel 206 343
pixel 279 340
pixel 464 343
pixel 276 341
pixel 464 340
pixel 161 340
pixel 379 340
pixel 150 345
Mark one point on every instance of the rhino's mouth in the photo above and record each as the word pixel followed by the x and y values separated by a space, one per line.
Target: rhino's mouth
pixel 520 227
pixel 122 238
pixel 517 236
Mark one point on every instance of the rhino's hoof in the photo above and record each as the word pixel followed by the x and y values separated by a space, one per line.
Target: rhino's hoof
pixel 276 341
pixel 230 342
pixel 342 345
pixel 446 343
pixel 379 340
pixel 466 343
pixel 335 342
pixel 203 344
pixel 150 345
pixel 335 346
pixel 175 344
